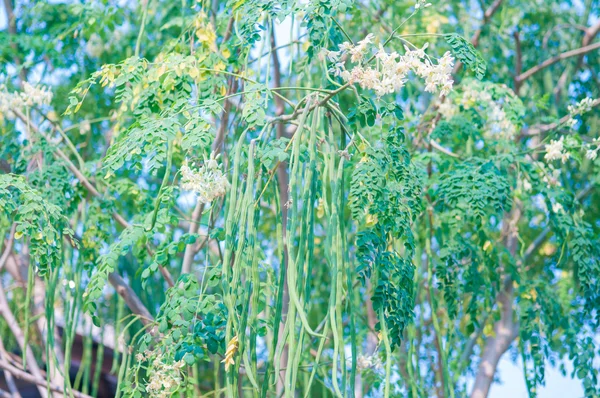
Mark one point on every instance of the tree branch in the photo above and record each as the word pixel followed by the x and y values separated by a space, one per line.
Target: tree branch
pixel 542 128
pixel 518 61
pixel 283 182
pixel 487 15
pixel 8 247
pixel 551 61
pixel 506 330
pixel 217 146
pixel 13 325
pixel 39 381
pixel 10 381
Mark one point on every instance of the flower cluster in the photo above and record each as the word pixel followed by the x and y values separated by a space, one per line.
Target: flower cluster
pixel 592 153
pixel 475 96
pixel 368 362
pixel 422 4
pixel 30 96
pixel 391 70
pixel 583 106
pixel 208 182
pixel 556 150
pixel 164 378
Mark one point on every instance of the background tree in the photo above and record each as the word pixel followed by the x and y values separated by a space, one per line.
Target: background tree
pixel 322 198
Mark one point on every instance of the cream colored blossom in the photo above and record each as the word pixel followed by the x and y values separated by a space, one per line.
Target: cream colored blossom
pixel 94 46
pixel 208 181
pixel 390 72
pixel 30 96
pixel 422 4
pixel 164 378
pixel 583 106
pixel 557 208
pixel 555 150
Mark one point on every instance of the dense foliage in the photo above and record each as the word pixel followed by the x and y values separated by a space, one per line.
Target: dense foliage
pixel 313 198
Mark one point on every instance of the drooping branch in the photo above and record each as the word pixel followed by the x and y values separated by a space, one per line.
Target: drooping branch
pixel 124 289
pixel 217 147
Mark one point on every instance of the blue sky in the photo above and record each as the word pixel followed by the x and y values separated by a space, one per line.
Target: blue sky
pixel 513 384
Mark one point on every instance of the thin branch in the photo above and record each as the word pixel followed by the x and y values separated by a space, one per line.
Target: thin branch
pixel 440 148
pixel 40 381
pixel 487 15
pixel 8 376
pixel 217 147
pixel 589 35
pixel 9 245
pixel 131 299
pixel 542 128
pixel 551 61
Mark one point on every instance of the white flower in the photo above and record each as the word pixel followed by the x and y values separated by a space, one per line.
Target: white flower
pixel 448 110
pixel 94 46
pixel 208 182
pixel 557 208
pixel 331 56
pixel 392 69
pixel 591 154
pixel 422 4
pixel 30 96
pixel 555 150
pixel 583 106
pixel 35 95
pixel 367 362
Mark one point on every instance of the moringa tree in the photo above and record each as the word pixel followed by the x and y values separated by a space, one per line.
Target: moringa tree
pixel 313 198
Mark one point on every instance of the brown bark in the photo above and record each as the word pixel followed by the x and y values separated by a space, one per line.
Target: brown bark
pixel 282 179
pixel 505 329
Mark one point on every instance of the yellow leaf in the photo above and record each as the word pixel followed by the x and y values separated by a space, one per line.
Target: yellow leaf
pixel 487 246
pixel 371 220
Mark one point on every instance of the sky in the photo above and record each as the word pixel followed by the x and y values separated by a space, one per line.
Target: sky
pixel 511 374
